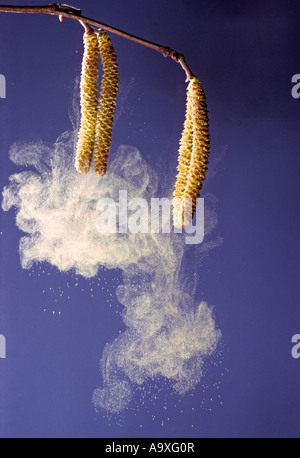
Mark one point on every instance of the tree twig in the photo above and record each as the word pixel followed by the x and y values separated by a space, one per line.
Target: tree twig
pixel 67 11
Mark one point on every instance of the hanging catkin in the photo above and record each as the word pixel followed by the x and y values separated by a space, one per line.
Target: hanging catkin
pixel 88 102
pixel 193 155
pixel 185 152
pixel 107 102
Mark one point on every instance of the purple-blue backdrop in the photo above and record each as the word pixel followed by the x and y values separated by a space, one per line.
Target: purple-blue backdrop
pixel 245 53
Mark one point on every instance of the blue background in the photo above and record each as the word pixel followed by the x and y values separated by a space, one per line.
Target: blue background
pixel 245 54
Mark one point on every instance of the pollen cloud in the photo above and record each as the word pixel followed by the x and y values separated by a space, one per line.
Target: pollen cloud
pixel 168 335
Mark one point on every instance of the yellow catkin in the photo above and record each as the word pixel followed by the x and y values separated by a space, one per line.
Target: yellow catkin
pixel 107 102
pixel 88 103
pixel 185 152
pixel 193 155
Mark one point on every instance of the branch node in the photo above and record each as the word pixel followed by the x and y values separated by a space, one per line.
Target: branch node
pixel 63 8
pixel 166 51
pixel 177 56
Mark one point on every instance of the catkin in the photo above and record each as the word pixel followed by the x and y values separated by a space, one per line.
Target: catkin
pixel 193 155
pixel 88 102
pixel 107 102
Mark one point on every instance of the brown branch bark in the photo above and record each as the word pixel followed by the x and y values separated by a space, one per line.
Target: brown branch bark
pixel 66 11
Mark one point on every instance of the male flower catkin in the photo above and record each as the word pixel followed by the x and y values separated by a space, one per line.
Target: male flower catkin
pixel 193 155
pixel 107 102
pixel 88 103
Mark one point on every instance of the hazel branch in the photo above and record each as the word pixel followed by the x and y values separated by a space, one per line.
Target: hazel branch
pixel 66 11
